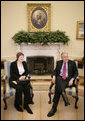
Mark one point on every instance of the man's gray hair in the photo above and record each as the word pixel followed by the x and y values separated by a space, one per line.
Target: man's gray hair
pixel 64 53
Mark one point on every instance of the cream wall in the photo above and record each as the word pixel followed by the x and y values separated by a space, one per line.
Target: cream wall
pixel 64 16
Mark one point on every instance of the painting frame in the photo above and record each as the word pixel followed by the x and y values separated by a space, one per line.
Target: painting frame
pixel 44 10
pixel 80 30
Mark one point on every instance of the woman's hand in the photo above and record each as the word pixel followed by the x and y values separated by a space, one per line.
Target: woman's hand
pixel 22 77
pixel 53 79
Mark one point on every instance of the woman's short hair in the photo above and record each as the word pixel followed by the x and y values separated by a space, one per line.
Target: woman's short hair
pixel 19 54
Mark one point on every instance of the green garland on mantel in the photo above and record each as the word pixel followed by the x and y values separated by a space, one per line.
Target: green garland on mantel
pixel 41 37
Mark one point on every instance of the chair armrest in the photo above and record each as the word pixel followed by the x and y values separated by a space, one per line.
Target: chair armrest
pixel 77 80
pixel 4 78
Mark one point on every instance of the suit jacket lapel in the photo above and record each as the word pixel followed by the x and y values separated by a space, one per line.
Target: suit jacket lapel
pixel 69 66
pixel 61 64
pixel 17 68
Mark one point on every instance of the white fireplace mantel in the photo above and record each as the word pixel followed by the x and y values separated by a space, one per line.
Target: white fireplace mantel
pixel 37 49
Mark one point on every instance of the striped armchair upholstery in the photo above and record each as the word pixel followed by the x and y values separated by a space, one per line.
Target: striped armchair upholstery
pixel 7 90
pixel 71 91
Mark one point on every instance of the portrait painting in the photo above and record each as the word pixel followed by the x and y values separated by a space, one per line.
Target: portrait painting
pixel 38 17
pixel 80 30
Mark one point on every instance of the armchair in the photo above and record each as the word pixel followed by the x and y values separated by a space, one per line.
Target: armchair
pixel 71 90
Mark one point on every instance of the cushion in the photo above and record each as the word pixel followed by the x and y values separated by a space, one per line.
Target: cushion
pixel 71 91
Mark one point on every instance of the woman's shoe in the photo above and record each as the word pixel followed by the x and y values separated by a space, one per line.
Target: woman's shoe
pixel 53 110
pixel 31 102
pixel 28 109
pixel 18 108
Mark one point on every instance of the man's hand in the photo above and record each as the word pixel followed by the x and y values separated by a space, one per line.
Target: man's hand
pixel 22 77
pixel 71 82
pixel 53 79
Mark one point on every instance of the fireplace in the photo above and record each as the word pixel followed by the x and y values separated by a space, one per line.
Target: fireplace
pixel 40 65
pixel 32 51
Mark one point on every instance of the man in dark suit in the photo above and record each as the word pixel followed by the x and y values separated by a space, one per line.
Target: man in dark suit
pixel 63 76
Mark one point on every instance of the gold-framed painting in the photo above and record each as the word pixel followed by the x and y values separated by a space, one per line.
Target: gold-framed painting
pixel 80 30
pixel 39 17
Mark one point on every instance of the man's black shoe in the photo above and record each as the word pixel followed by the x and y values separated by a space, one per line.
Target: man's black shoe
pixel 31 102
pixel 52 112
pixel 28 109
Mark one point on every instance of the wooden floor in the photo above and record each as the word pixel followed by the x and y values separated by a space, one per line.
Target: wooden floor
pixel 41 107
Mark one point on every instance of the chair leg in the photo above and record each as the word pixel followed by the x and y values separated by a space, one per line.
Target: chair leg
pixel 76 107
pixel 4 94
pixel 49 94
pixel 77 98
pixel 32 98
pixel 5 107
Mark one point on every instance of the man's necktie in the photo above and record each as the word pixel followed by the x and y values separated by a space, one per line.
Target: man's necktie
pixel 64 72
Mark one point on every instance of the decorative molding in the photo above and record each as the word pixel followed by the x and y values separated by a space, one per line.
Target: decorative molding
pixel 37 49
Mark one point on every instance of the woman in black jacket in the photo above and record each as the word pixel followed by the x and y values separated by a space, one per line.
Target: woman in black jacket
pixel 18 75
